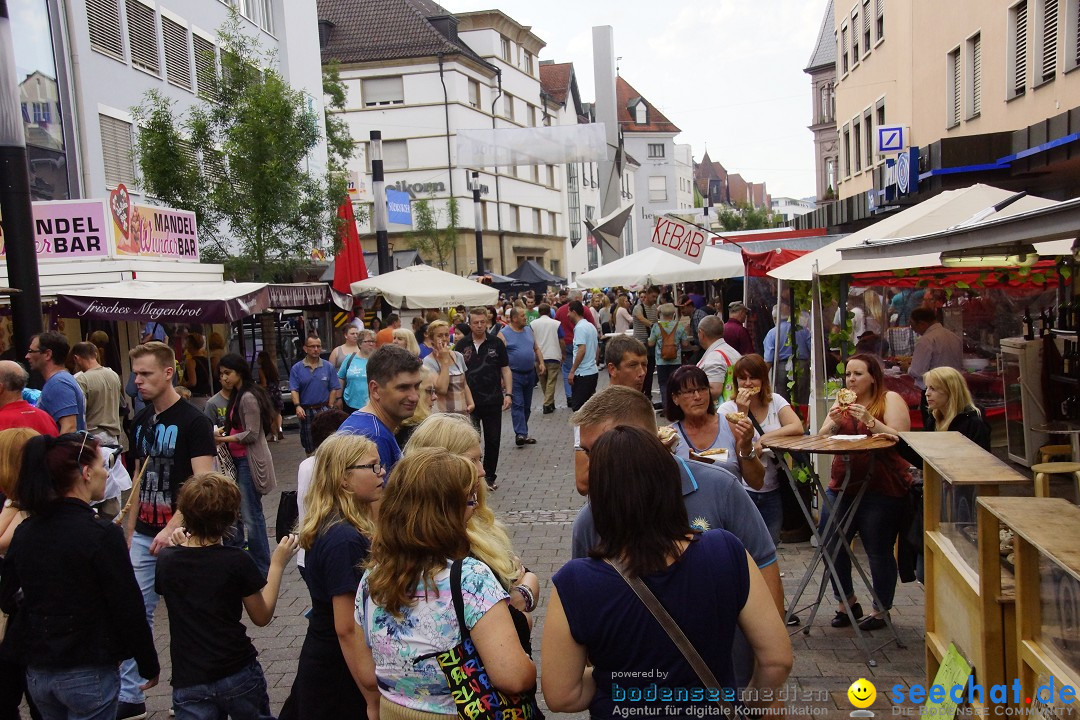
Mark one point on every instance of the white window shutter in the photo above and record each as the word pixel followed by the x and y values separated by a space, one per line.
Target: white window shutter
pixel 116 149
pixel 383 91
pixel 1020 76
pixel 205 68
pixel 103 19
pixel 976 75
pixel 142 37
pixel 1049 39
pixel 177 57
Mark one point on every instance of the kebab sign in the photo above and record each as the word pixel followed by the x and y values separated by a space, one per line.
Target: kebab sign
pixel 679 238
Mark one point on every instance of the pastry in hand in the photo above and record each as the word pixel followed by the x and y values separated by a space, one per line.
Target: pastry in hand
pixel 845 397
pixel 668 436
pixel 735 417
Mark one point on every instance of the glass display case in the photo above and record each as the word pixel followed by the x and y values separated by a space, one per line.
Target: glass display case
pixel 1021 370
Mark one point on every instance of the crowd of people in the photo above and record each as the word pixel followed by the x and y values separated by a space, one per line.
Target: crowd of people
pixel 405 561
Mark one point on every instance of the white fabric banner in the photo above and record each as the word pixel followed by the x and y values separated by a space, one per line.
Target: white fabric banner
pixel 504 147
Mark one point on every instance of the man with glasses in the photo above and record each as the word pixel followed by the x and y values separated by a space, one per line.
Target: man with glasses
pixel 61 396
pixel 314 384
pixel 175 440
pixel 393 393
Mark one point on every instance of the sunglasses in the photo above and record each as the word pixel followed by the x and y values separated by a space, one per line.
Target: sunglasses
pixel 114 451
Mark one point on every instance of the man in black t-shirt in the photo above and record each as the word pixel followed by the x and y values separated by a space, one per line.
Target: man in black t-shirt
pixel 487 371
pixel 175 440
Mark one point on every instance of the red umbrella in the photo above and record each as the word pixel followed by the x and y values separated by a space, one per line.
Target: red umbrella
pixel 349 264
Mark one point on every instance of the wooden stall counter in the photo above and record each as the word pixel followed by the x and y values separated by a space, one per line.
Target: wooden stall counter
pixel 963 606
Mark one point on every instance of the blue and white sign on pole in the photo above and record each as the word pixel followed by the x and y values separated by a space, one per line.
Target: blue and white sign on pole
pixel 399 207
pixel 892 138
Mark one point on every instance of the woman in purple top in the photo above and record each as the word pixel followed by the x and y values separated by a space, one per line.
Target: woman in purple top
pixel 637 505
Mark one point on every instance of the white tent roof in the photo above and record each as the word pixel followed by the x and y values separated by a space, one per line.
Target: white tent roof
pixel 656 267
pixel 940 212
pixel 422 286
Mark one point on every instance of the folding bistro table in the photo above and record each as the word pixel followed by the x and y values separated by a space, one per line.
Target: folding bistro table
pixel 836 526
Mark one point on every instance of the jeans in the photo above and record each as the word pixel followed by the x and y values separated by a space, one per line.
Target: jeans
pixel 584 388
pixel 663 374
pixel 521 400
pixel 567 363
pixel 310 411
pixel 252 517
pixel 488 419
pixel 771 506
pixel 877 522
pixel 83 693
pixel 145 566
pixel 550 380
pixel 241 696
pixel 646 385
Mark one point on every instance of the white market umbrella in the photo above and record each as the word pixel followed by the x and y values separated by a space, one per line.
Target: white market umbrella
pixel 656 267
pixel 937 214
pixel 422 286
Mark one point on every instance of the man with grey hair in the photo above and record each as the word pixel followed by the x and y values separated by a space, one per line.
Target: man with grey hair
pixel 15 412
pixel 563 316
pixel 719 355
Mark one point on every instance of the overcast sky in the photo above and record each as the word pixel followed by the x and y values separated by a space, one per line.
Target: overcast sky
pixel 728 73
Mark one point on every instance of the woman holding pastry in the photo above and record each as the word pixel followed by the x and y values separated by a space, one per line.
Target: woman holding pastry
pixel 867 408
pixel 776 417
pixel 703 435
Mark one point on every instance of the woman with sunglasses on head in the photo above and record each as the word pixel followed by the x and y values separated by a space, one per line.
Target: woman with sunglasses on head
pixel 249 419
pixel 488 540
pixel 335 535
pixel 404 605
pixel 81 611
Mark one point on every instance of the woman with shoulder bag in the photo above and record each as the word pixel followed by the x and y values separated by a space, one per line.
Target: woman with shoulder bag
pixel 249 418
pixel 648 553
pixel 422 585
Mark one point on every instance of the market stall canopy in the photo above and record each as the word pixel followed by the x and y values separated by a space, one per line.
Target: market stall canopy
pixel 306 295
pixel 655 267
pixel 500 282
pixel 531 272
pixel 422 286
pixel 940 212
pixel 141 301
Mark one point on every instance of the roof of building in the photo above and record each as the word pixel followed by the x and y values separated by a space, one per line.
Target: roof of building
pixel 371 30
pixel 625 97
pixel 825 50
pixel 555 81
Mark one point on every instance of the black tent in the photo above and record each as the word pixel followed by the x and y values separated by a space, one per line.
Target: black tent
pixel 533 273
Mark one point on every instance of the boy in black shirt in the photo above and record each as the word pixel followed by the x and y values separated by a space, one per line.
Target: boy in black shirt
pixel 204 583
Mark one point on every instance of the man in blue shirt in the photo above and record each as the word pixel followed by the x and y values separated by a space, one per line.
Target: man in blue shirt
pixel 61 396
pixel 314 385
pixel 526 361
pixel 154 331
pixel 584 372
pixel 800 363
pixel 393 375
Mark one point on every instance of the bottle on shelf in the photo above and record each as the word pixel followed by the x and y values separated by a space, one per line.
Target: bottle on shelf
pixel 1029 325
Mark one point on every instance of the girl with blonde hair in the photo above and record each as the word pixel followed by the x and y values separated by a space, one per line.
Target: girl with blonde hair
pixel 405 602
pixel 951 406
pixel 336 535
pixel 488 540
pixel 406 338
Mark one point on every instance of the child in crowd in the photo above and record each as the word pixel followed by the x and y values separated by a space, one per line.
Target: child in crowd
pixel 204 583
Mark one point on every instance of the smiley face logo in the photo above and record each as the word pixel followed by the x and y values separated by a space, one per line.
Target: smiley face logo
pixel 862 693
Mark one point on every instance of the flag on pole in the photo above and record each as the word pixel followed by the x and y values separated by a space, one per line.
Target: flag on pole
pixel 349 264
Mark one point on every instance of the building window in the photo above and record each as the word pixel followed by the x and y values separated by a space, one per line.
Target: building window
pixel 1046 30
pixel 266 15
pixel 641 113
pixel 856 127
pixel 528 63
pixel 142 37
pixel 881 113
pixel 553 223
pixel 844 64
pixel 554 266
pixel 513 218
pixel 954 94
pixel 573 203
pixel 474 94
pixel 847 151
pixel 855 38
pixel 535 173
pixel 506 49
pixel 880 6
pixel 103 19
pixel 866 26
pixel 827 108
pixel 974 79
pixel 117 152
pixel 536 221
pixel 657 188
pixel 656 150
pixel 868 134
pixel 177 55
pixel 395 155
pixel 1072 35
pixel 383 91
pixel 508 106
pixel 205 67
pixel 1017 60
pixel 553 180
pixel 830 174
pixel 532 116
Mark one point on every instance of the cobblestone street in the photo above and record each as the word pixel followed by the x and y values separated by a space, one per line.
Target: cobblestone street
pixel 537 501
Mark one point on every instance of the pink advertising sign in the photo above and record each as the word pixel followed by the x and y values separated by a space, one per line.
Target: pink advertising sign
pixel 69 229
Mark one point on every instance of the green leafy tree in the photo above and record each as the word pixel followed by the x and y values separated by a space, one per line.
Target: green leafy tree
pixel 237 161
pixel 429 239
pixel 746 217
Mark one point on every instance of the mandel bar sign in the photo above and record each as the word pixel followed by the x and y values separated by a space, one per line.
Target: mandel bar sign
pixel 113 228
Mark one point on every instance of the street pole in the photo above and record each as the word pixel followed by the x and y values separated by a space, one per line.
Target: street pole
pixel 16 211
pixel 478 222
pixel 378 212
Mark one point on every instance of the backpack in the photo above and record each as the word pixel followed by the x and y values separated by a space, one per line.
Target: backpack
pixel 668 349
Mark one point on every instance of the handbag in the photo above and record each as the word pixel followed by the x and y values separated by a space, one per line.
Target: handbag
pixel 473 694
pixel 689 653
pixel 287 514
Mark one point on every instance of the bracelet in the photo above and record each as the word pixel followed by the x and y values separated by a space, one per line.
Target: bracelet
pixel 530 601
pixel 872 424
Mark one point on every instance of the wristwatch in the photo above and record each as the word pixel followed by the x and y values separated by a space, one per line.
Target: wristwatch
pixel 750 455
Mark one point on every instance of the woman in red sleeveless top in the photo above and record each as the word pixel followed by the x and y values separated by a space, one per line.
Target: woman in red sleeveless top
pixel 877 520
